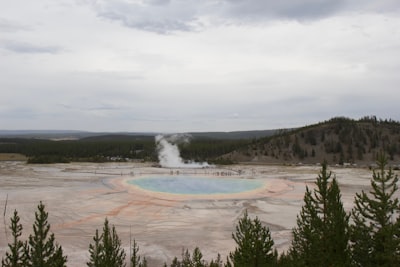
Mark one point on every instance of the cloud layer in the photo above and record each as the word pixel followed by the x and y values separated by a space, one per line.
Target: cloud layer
pixel 176 66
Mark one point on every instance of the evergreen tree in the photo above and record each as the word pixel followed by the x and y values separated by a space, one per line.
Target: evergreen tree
pixel 106 250
pixel 254 244
pixel 286 260
pixel 305 241
pixel 375 232
pixel 197 258
pixel 322 234
pixel 194 260
pixel 95 251
pixel 18 249
pixel 217 262
pixel 135 258
pixel 43 251
pixel 186 260
pixel 175 263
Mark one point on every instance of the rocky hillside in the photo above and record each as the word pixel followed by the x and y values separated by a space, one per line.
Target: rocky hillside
pixel 339 141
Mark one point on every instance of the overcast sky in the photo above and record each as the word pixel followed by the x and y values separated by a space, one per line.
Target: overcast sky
pixel 196 65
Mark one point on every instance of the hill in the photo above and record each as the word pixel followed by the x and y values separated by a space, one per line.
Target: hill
pixel 235 135
pixel 338 141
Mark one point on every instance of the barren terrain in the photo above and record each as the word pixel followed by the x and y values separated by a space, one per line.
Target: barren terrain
pixel 79 196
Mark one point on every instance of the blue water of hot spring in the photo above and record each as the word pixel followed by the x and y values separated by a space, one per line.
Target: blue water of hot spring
pixel 195 185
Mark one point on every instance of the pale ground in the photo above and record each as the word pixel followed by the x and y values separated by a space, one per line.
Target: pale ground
pixel 79 196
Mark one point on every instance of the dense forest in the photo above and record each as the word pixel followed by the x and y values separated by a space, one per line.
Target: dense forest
pixel 325 234
pixel 114 148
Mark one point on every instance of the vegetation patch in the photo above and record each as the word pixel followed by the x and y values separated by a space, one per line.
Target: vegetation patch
pixel 12 157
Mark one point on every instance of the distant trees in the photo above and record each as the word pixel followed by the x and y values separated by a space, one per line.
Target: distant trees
pixel 116 148
pixel 341 139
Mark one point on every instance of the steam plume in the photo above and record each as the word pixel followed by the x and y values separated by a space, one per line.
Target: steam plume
pixel 169 155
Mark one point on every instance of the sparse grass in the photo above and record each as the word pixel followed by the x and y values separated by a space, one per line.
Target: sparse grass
pixel 12 157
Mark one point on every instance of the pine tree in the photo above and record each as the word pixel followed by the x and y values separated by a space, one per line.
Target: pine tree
pixel 186 260
pixel 322 234
pixel 217 262
pixel 43 251
pixel 18 249
pixel 175 262
pixel 135 258
pixel 106 250
pixel 95 251
pixel 375 232
pixel 194 260
pixel 254 244
pixel 306 240
pixel 197 258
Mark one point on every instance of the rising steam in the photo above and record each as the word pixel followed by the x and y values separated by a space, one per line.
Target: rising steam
pixel 169 155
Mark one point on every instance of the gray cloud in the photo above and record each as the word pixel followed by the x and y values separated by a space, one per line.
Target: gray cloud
pixel 249 65
pixel 24 47
pixel 155 15
pixel 11 26
pixel 286 9
pixel 166 16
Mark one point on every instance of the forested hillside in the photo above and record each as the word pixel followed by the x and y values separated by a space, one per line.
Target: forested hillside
pixel 338 141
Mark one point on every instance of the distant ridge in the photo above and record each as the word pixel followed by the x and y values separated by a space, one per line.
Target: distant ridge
pixel 61 134
pixel 235 134
pixel 72 134
pixel 29 132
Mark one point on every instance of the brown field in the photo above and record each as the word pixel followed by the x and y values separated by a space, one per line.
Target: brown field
pixel 12 157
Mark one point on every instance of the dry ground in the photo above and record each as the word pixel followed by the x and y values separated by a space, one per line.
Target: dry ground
pixel 79 196
pixel 12 157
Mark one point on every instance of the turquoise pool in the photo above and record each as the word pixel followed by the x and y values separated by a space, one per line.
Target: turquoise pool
pixel 195 185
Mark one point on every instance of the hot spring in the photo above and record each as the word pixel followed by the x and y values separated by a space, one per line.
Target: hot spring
pixel 196 185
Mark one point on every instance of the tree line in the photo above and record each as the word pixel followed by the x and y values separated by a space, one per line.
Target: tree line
pixel 115 148
pixel 324 235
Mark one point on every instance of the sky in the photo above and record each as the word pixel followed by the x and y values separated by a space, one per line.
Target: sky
pixel 189 65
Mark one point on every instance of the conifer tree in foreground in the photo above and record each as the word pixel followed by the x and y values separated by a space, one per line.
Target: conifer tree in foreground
pixel 375 232
pixel 322 233
pixel 254 244
pixel 95 251
pixel 17 255
pixel 106 250
pixel 43 251
pixel 194 260
pixel 135 257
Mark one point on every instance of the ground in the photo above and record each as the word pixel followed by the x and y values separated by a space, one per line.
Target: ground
pixel 79 196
